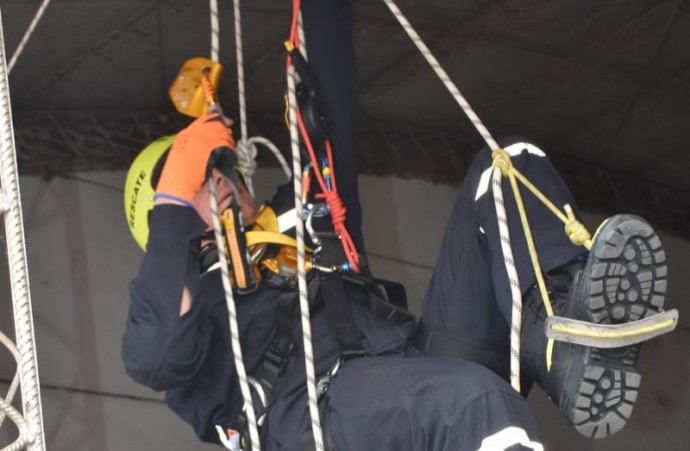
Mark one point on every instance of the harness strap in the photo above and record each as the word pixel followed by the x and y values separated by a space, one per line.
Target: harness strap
pixel 277 358
pixel 437 343
pixel 340 318
pixel 387 299
pixel 338 307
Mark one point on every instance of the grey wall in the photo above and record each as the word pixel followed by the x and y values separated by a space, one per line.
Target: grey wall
pixel 81 259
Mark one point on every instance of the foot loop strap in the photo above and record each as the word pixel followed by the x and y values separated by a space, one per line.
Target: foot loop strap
pixel 610 335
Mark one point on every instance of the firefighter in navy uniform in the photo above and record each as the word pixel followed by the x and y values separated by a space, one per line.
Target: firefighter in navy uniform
pixel 386 395
pixel 177 337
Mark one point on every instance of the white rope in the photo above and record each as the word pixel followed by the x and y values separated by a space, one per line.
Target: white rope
pixel 276 153
pixel 240 69
pixel 14 415
pixel 12 390
pixel 241 95
pixel 225 276
pixel 19 276
pixel 247 152
pixel 246 147
pixel 213 9
pixel 516 293
pixel 516 319
pixel 27 34
pixel 301 272
pixel 234 328
pixel 443 75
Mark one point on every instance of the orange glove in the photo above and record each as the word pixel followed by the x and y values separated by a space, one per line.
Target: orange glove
pixel 197 149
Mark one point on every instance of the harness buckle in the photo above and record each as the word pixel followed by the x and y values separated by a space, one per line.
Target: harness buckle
pixel 279 356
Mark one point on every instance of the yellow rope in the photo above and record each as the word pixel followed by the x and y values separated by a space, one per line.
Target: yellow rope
pixel 578 234
pixel 503 162
pixel 575 230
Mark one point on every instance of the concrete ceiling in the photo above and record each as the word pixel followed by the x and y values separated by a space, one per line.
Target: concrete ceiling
pixel 603 87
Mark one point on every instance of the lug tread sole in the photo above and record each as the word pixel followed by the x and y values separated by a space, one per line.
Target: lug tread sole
pixel 625 281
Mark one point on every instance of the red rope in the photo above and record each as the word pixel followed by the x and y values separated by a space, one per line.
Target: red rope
pixel 335 203
pixel 294 36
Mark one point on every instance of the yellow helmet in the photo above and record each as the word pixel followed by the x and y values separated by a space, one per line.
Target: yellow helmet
pixel 139 189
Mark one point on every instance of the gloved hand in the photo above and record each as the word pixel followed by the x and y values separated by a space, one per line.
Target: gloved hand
pixel 204 144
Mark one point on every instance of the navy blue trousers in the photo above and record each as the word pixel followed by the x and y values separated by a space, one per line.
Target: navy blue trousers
pixel 469 293
pixel 426 404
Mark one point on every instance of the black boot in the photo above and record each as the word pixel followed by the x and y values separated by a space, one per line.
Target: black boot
pixel 623 280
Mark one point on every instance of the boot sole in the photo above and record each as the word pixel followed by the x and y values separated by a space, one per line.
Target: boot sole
pixel 624 280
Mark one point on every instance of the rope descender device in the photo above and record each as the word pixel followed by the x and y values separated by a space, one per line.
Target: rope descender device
pixel 193 92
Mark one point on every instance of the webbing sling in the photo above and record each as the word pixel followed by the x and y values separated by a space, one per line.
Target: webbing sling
pixel 437 343
pixel 387 299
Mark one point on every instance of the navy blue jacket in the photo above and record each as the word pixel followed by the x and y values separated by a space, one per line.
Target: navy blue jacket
pixel 190 357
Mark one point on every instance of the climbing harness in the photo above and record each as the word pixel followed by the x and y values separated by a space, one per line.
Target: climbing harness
pixel 265 253
pixel 563 329
pixel 328 291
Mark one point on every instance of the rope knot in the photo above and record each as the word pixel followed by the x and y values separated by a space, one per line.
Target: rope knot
pixel 502 161
pixel 246 156
pixel 338 209
pixel 576 231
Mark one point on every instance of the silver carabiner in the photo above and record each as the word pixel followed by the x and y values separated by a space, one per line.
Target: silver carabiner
pixel 325 381
pixel 311 209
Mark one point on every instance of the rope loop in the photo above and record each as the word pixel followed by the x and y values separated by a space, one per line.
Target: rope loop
pixel 502 161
